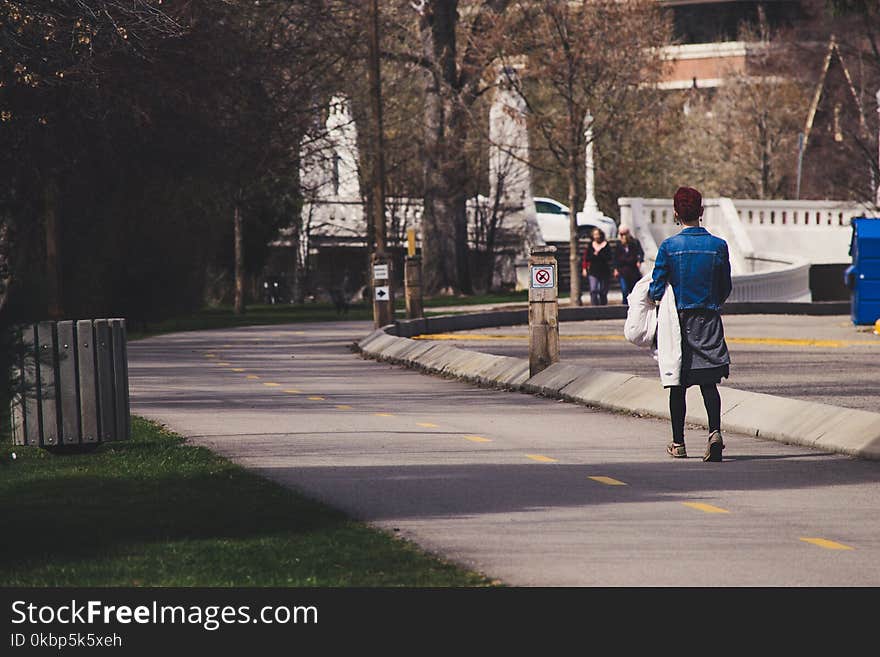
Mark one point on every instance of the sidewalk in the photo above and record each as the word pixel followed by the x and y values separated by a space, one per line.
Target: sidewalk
pixel 531 492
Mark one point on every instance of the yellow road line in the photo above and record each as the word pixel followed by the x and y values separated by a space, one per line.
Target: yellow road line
pixel 428 425
pixel 707 508
pixel 210 355
pixel 384 414
pixel 609 481
pixel 541 459
pixel 222 364
pixel 802 342
pixel 316 398
pixel 252 376
pixel 828 545
pixel 343 407
pixel 293 391
pixel 477 439
pixel 237 369
pixel 780 342
pixel 273 385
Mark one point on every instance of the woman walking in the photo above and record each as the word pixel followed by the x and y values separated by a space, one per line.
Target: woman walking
pixel 596 265
pixel 628 259
pixel 697 266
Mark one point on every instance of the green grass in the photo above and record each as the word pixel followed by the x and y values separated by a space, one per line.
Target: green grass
pixel 261 315
pixel 156 511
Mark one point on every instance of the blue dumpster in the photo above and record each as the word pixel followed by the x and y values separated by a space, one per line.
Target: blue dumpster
pixel 863 276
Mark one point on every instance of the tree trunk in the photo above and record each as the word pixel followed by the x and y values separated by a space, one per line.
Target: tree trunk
pixel 439 234
pixel 764 140
pixel 54 305
pixel 297 279
pixel 454 181
pixel 5 265
pixel 574 256
pixel 239 260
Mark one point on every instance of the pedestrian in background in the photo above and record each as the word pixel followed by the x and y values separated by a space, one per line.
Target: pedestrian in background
pixel 697 266
pixel 628 259
pixel 596 266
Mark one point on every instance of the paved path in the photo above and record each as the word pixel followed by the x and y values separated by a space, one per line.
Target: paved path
pixel 519 487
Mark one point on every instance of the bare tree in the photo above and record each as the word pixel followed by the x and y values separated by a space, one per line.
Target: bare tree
pixel 837 52
pixel 455 55
pixel 595 56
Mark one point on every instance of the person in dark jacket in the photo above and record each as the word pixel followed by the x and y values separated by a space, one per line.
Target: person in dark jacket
pixel 697 266
pixel 628 258
pixel 596 266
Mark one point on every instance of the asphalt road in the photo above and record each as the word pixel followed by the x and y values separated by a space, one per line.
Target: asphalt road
pixel 524 489
pixel 819 359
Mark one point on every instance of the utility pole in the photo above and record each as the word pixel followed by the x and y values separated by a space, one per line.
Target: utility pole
pixel 383 297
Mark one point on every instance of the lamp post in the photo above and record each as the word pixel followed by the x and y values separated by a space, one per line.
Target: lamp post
pixel 591 208
pixel 383 297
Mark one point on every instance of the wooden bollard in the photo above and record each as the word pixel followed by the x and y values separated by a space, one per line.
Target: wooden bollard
pixel 383 299
pixel 413 283
pixel 412 278
pixel 543 309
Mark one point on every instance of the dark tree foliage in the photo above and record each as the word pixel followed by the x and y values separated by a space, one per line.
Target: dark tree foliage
pixel 129 128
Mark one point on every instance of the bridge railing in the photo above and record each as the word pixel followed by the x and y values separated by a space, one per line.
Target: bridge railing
pixel 770 259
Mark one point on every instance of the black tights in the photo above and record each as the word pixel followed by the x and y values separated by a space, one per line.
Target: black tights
pixel 678 408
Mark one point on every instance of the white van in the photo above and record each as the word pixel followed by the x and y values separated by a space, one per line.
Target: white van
pixel 553 218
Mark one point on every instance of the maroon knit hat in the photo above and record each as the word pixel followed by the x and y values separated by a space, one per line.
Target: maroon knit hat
pixel 687 202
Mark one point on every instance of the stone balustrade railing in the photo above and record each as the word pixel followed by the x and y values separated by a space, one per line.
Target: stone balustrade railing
pixel 772 243
pixel 816 230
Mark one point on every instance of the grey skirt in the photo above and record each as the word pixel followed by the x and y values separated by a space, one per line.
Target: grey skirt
pixel 704 356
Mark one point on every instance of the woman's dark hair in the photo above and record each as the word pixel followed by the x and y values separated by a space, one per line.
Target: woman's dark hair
pixel 601 232
pixel 688 203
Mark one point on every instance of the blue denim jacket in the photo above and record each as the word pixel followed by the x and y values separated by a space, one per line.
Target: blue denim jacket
pixel 697 265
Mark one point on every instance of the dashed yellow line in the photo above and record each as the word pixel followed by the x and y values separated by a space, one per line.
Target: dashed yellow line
pixel 293 391
pixel 609 481
pixel 343 407
pixel 428 425
pixel 477 439
pixel 828 545
pixel 384 414
pixel 222 364
pixel 210 355
pixel 706 508
pixel 316 398
pixel 236 369
pixel 252 376
pixel 541 459
pixel 273 385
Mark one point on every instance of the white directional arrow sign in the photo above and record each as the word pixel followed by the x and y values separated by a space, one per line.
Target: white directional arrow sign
pixel 382 293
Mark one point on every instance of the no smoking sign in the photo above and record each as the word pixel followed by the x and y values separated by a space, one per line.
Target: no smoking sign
pixel 543 276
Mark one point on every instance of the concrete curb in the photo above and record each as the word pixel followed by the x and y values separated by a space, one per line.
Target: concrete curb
pixel 811 424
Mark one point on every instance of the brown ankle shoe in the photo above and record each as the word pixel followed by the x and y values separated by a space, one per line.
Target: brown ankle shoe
pixel 714 447
pixel 676 450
